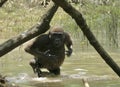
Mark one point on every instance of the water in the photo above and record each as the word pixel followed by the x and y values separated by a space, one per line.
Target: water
pixel 87 65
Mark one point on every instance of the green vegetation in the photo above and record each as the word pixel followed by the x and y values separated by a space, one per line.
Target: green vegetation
pixel 103 19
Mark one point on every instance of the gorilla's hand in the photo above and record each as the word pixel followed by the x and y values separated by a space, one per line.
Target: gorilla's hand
pixel 69 52
pixel 47 54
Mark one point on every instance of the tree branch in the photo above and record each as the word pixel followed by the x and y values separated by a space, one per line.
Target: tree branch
pixel 86 30
pixel 42 27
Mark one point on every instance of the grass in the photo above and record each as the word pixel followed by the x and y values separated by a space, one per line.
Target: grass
pixel 15 19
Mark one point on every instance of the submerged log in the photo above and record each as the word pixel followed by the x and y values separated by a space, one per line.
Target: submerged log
pixel 86 30
pixel 36 30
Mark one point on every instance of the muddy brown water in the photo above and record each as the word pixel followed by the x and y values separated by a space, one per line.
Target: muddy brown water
pixel 86 65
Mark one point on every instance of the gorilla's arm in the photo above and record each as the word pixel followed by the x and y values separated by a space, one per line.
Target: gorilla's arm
pixel 69 44
pixel 35 48
pixel 32 50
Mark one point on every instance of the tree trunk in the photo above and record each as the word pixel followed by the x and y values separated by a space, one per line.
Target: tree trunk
pixel 84 27
pixel 39 28
pixel 2 2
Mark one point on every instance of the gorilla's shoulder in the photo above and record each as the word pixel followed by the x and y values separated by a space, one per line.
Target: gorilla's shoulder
pixel 43 37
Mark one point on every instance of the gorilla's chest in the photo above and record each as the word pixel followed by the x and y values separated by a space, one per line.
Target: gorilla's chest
pixel 48 47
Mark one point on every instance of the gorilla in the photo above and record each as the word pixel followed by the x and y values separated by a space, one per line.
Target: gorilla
pixel 49 50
